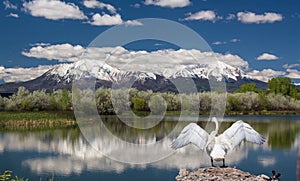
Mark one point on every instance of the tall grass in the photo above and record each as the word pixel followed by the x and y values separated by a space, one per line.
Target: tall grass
pixel 35 120
pixel 41 115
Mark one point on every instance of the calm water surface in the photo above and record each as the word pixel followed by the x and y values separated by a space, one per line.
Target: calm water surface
pixel 66 155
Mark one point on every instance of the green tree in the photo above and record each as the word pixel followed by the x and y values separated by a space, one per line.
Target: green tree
pixel 263 100
pixel 2 103
pixel 173 101
pixel 205 101
pixel 157 105
pixel 139 104
pixel 22 92
pixel 16 101
pixel 249 87
pixel 277 102
pixel 53 102
pixel 26 105
pixel 103 101
pixel 120 100
pixel 39 100
pixel 284 86
pixel 64 99
pixel 233 103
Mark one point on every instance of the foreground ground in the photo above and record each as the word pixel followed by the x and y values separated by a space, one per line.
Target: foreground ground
pixel 217 173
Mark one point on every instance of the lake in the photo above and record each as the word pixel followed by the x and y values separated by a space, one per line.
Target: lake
pixel 67 154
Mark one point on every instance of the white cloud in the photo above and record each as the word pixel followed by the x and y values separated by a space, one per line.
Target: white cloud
pixel 230 17
pixel 136 5
pixel 235 40
pixel 267 161
pixel 169 3
pixel 295 15
pixel 121 56
pixel 219 42
pixel 106 20
pixel 22 74
pixel 289 66
pixel 125 59
pixel 249 17
pixel 40 44
pixel 267 56
pixel 133 23
pixel 293 73
pixel 9 5
pixel 109 20
pixel 61 52
pixel 142 60
pixel 53 9
pixel 265 74
pixel 230 59
pixel 101 5
pixel 207 15
pixel 13 15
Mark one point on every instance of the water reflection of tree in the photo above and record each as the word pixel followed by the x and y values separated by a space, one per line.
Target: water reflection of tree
pixel 282 134
pixel 131 134
pixel 70 134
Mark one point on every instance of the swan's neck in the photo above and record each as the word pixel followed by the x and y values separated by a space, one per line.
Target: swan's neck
pixel 215 132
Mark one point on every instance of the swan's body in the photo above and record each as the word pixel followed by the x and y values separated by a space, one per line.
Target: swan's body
pixel 217 146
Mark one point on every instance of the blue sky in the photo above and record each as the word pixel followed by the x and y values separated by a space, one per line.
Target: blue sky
pixel 263 33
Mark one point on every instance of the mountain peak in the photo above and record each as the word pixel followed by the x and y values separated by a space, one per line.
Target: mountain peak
pixel 159 80
pixel 104 71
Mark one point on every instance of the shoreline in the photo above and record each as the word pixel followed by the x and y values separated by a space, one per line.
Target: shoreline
pixel 21 121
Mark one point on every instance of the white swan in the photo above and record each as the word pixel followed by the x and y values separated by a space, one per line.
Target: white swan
pixel 217 146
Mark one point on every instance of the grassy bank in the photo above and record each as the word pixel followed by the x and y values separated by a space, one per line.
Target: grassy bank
pixel 264 113
pixel 240 113
pixel 11 121
pixel 35 120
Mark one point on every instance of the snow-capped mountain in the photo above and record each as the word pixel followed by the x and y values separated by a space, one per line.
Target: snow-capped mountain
pixel 103 71
pixel 160 79
pixel 100 71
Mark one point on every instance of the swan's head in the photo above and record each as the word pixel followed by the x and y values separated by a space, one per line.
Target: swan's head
pixel 215 120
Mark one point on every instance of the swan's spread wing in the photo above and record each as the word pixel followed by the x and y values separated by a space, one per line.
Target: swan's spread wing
pixel 240 131
pixel 192 133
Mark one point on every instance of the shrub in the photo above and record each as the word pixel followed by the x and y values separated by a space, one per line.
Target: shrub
pixel 157 105
pixel 139 104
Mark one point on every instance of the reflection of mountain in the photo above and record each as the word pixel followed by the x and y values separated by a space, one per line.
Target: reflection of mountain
pixel 66 151
pixel 78 156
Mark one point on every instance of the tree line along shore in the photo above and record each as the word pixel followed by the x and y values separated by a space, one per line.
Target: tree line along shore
pixel 281 98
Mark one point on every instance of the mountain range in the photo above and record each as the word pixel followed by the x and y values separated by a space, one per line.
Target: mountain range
pixel 161 80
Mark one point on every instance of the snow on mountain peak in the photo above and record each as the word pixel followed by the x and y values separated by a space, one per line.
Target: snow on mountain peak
pixel 104 71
